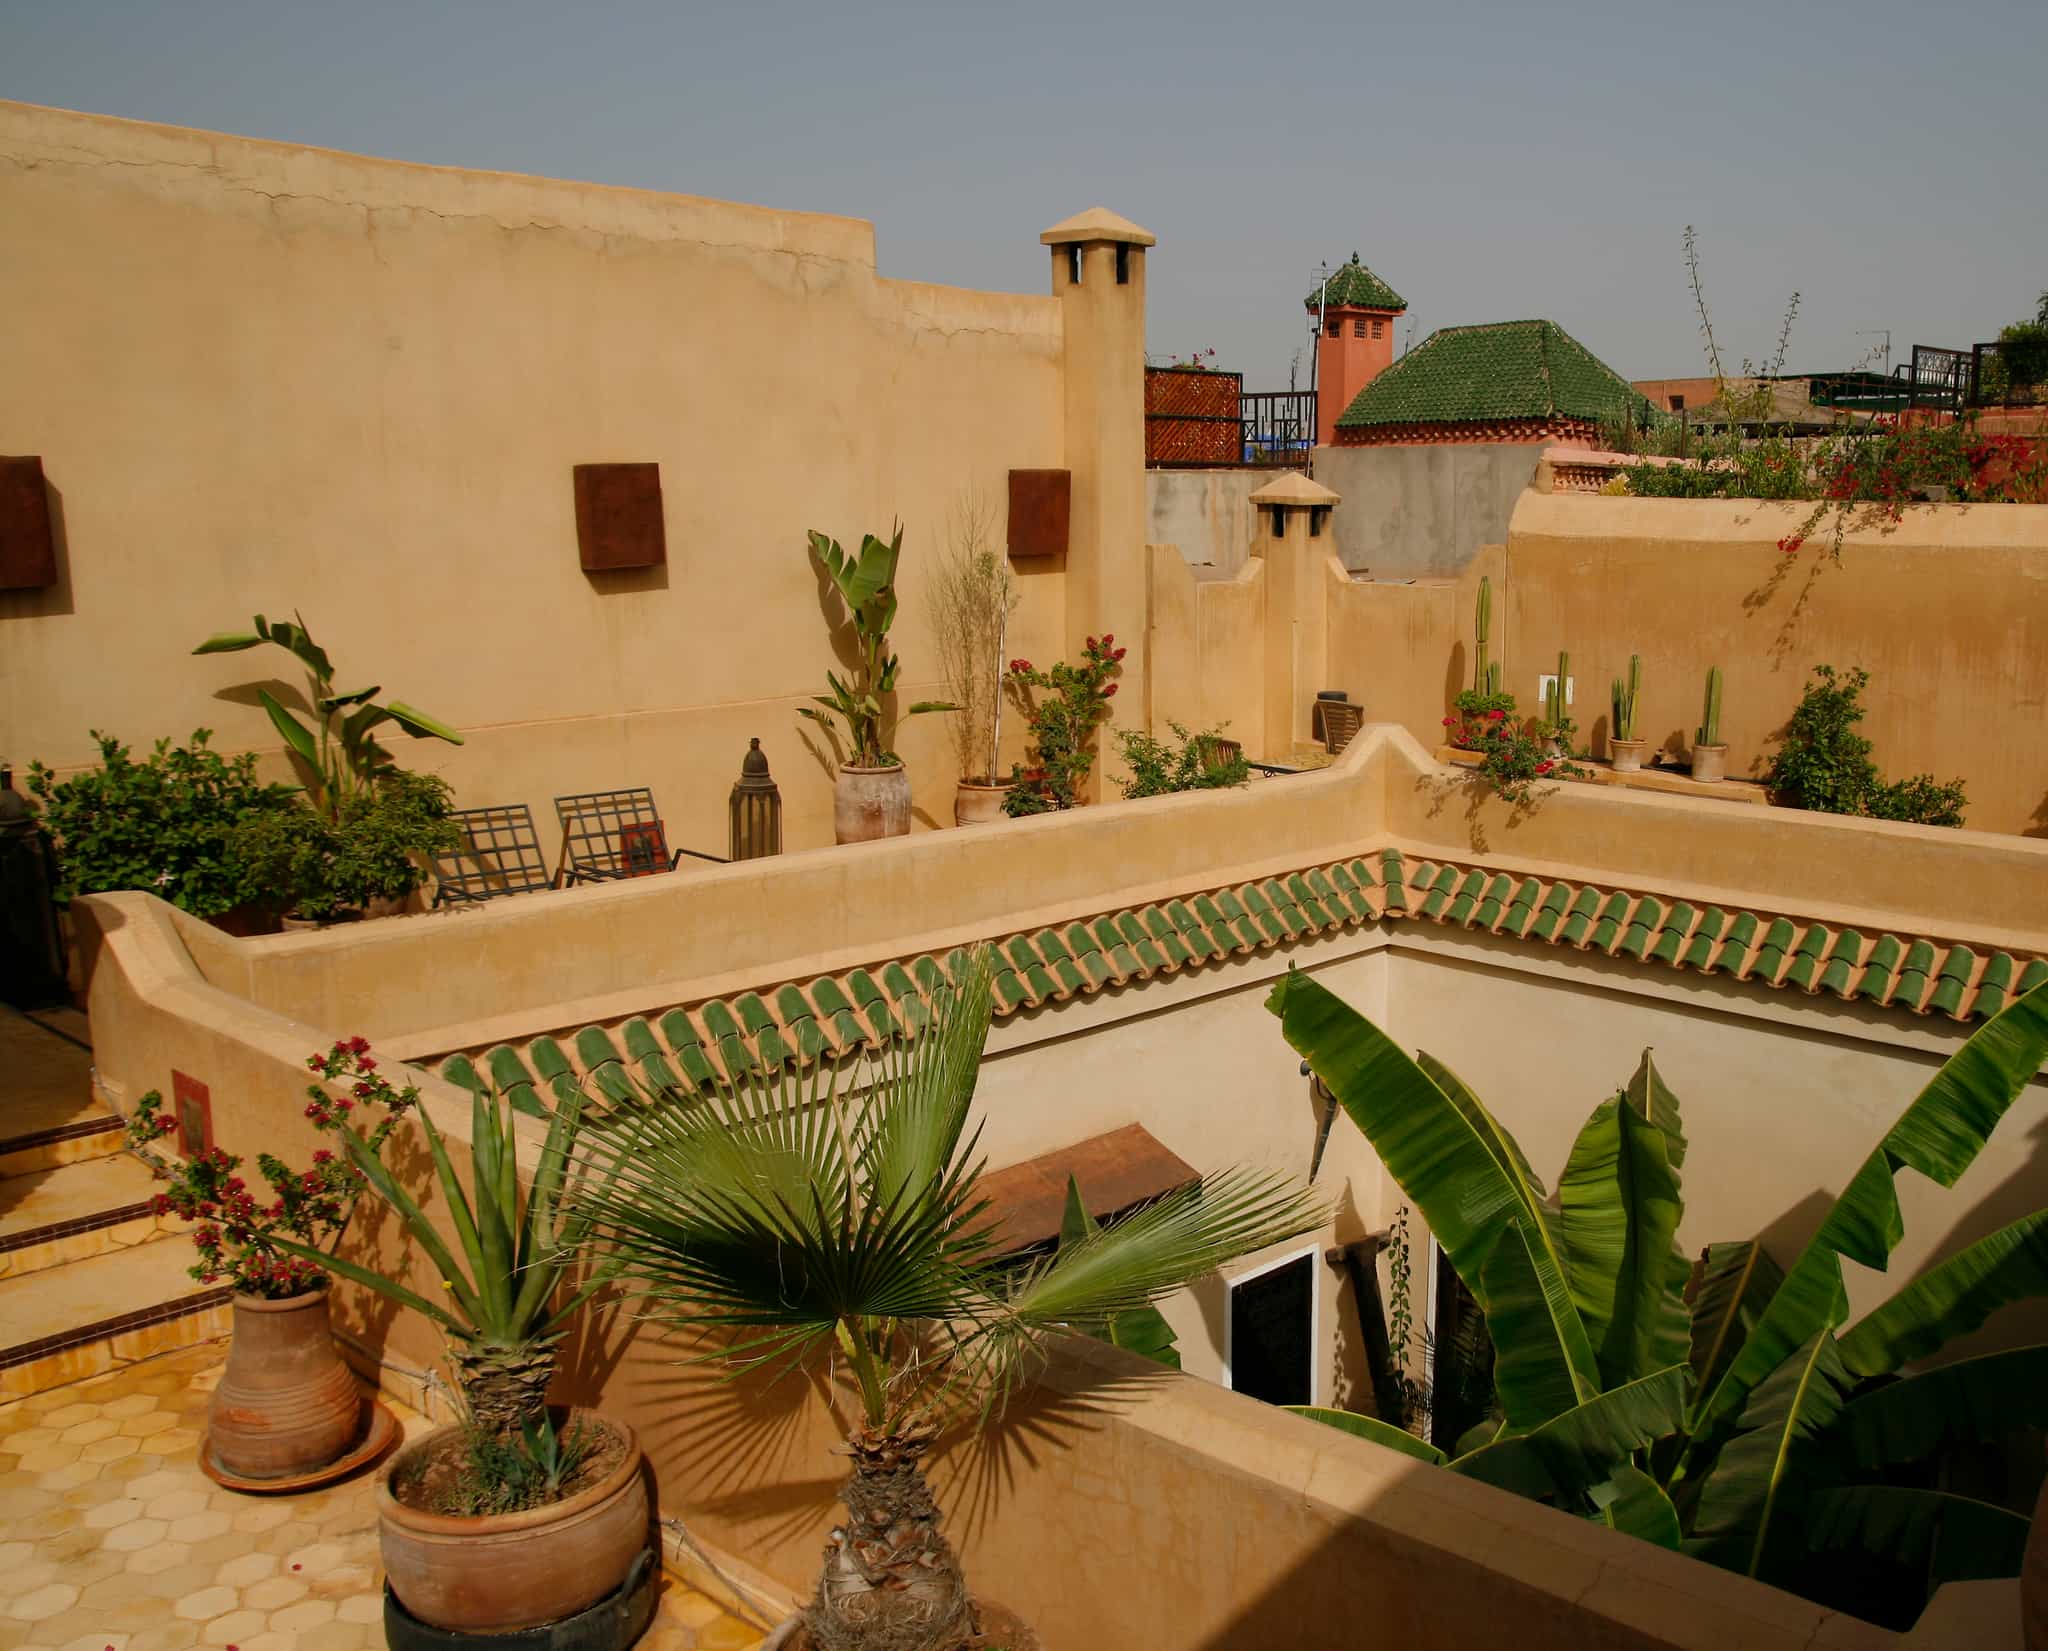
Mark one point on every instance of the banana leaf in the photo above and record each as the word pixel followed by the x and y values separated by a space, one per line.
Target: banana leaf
pixel 1944 1537
pixel 1736 1284
pixel 296 734
pixel 1543 1363
pixel 1618 1210
pixel 1755 1496
pixel 1472 1185
pixel 1939 1135
pixel 228 642
pixel 1952 1298
pixel 1572 1454
pixel 1634 1504
pixel 1970 1402
pixel 1647 1094
pixel 418 724
pixel 1371 1427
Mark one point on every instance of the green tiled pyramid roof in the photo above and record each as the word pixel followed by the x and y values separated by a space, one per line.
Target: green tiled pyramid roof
pixel 1503 370
pixel 1353 283
pixel 694 1045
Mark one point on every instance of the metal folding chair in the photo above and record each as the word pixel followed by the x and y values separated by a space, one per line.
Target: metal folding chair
pixel 499 854
pixel 608 835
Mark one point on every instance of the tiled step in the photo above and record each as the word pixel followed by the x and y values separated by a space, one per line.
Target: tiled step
pixel 75 1211
pixel 92 1133
pixel 67 1323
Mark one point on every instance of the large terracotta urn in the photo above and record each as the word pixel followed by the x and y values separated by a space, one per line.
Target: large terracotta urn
pixel 286 1404
pixel 495 1573
pixel 977 803
pixel 871 803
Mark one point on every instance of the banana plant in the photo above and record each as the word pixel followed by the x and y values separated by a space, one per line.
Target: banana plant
pixel 1750 1430
pixel 867 587
pixel 512 1256
pixel 340 749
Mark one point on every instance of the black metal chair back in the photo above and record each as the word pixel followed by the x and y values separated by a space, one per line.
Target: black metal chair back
pixel 499 854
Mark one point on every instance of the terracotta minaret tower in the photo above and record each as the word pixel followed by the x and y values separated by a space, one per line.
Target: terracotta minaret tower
pixel 1359 311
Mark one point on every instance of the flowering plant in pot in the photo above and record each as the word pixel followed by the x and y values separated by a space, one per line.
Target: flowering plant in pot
pixel 972 598
pixel 871 793
pixel 1065 706
pixel 831 1220
pixel 286 1404
pixel 516 1515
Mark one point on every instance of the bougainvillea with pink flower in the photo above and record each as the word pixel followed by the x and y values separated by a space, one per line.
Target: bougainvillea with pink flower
pixel 237 1228
pixel 1065 705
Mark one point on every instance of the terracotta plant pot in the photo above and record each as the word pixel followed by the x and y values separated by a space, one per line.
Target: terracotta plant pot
pixel 1710 762
pixel 871 803
pixel 286 1404
pixel 495 1573
pixel 977 804
pixel 1627 755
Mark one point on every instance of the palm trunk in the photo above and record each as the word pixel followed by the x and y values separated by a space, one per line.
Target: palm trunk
pixel 890 1581
pixel 503 1387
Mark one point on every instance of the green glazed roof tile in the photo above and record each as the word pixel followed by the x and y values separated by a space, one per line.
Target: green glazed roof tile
pixel 1804 968
pixel 1993 985
pixel 1915 975
pixel 459 1069
pixel 1839 973
pixel 1009 990
pixel 1947 995
pixel 1551 913
pixel 1503 370
pixel 1039 984
pixel 1876 983
pixel 1578 917
pixel 1641 928
pixel 1070 977
pixel 1771 955
pixel 1522 910
pixel 1465 899
pixel 1706 937
pixel 1607 930
pixel 2036 972
pixel 827 996
pixel 929 976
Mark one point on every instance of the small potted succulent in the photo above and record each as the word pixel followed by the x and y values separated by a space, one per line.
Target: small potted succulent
pixel 1625 741
pixel 871 790
pixel 1709 755
pixel 286 1405
pixel 519 1514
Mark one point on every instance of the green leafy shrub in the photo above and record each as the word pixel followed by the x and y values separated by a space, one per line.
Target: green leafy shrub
pixel 1825 765
pixel 1515 753
pixel 318 867
pixel 1187 762
pixel 167 825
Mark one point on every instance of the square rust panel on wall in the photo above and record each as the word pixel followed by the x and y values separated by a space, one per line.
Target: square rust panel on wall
pixel 28 550
pixel 618 516
pixel 1040 503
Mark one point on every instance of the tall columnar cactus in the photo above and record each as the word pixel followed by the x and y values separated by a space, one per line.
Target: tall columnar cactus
pixel 1485 675
pixel 1554 700
pixel 1627 699
pixel 1710 720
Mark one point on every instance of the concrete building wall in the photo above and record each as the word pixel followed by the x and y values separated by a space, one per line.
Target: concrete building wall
pixel 1206 513
pixel 1413 512
pixel 267 378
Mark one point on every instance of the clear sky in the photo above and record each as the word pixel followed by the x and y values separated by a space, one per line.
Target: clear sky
pixel 1492 159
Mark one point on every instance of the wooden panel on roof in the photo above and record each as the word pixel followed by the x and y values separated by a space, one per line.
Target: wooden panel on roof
pixel 1116 1171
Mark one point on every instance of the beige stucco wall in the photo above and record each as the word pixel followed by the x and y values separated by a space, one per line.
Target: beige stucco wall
pixel 1947 610
pixel 263 377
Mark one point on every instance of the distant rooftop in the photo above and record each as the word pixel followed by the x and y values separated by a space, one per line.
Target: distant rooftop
pixel 1501 370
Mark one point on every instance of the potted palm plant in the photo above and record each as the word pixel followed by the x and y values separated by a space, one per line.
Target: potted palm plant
pixel 871 792
pixel 972 599
pixel 811 1220
pixel 517 1515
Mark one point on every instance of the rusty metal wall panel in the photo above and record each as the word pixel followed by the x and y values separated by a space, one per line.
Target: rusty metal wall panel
pixel 1041 502
pixel 618 517
pixel 28 550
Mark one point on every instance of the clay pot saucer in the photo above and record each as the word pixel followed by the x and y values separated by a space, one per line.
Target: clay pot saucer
pixel 376 1427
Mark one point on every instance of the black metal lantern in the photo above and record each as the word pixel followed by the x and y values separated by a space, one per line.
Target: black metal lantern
pixel 756 808
pixel 31 944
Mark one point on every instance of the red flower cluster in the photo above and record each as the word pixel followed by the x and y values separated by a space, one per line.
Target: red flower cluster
pixel 237 1238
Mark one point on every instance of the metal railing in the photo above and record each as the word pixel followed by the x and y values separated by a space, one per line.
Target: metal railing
pixel 1985 375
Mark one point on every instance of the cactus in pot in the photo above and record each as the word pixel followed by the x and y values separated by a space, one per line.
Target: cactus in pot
pixel 1709 754
pixel 1625 736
